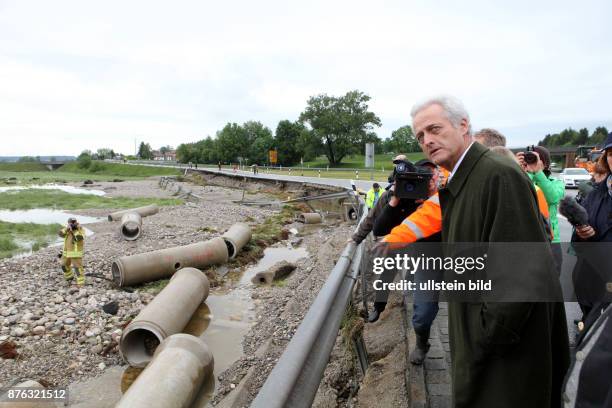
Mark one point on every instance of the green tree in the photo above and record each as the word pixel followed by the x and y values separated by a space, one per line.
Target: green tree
pixel 144 151
pixel 28 159
pixel 260 141
pixel 402 140
pixel 232 143
pixel 599 135
pixel 105 153
pixel 84 159
pixel 341 123
pixel 290 140
pixel 186 152
pixel 583 136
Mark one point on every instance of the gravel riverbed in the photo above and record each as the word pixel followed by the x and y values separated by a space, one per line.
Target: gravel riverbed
pixel 60 332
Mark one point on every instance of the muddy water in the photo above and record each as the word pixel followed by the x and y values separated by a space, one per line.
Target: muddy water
pixel 221 322
pixel 232 312
pixel 44 216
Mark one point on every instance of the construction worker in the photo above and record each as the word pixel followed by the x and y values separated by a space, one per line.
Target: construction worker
pixel 373 195
pixel 72 253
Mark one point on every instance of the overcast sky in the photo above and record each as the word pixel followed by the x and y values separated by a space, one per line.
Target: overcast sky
pixel 83 75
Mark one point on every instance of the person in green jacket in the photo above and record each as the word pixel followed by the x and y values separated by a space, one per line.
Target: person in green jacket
pixel 553 189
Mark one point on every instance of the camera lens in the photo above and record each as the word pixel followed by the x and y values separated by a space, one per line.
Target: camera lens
pixel 409 187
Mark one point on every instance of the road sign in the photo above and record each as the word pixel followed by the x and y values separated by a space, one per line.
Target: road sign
pixel 272 154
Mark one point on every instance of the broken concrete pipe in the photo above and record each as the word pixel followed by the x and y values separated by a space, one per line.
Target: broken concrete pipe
pixel 131 226
pixel 310 218
pixel 278 271
pixel 175 377
pixel 167 314
pixel 143 211
pixel 163 263
pixel 236 238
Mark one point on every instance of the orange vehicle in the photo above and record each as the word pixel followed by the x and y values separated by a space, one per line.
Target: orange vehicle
pixel 586 156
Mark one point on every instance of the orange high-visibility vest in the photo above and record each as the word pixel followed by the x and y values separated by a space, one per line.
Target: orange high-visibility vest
pixel 427 220
pixel 422 223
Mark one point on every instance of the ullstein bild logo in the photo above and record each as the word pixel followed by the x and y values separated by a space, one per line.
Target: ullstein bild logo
pixel 412 264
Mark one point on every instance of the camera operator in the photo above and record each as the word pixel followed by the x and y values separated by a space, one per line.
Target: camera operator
pixel 397 212
pixel 536 163
pixel 72 252
pixel 367 225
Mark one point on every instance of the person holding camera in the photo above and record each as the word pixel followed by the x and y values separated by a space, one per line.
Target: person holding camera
pixel 367 225
pixel 536 163
pixel 424 176
pixel 72 252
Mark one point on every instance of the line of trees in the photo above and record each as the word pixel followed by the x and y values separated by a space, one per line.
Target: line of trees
pixel 571 137
pixel 333 126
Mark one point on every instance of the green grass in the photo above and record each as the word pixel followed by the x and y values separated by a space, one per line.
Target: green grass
pixel 358 161
pixel 40 177
pixel 120 170
pixel 23 167
pixel 40 235
pixel 37 198
pixel 36 173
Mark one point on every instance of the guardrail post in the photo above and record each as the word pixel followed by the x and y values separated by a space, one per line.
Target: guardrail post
pixel 319 173
pixel 357 174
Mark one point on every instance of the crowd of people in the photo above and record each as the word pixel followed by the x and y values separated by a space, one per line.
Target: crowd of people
pixel 504 354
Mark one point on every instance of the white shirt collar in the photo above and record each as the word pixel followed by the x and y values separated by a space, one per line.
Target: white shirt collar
pixel 459 162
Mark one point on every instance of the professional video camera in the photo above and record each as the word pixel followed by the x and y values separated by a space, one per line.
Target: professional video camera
pixel 530 157
pixel 72 223
pixel 411 182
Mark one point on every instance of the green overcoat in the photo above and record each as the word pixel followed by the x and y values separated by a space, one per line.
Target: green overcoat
pixel 503 354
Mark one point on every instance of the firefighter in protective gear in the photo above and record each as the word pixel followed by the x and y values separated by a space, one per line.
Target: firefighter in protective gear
pixel 72 253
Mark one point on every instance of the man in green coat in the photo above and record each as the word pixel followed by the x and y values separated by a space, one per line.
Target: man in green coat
pixel 503 354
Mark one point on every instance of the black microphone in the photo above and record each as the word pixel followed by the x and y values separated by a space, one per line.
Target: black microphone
pixel 574 212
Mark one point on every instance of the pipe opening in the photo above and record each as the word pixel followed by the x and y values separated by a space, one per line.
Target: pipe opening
pixel 110 217
pixel 231 248
pixel 116 271
pixel 130 230
pixel 139 345
pixel 177 265
pixel 352 214
pixel 262 280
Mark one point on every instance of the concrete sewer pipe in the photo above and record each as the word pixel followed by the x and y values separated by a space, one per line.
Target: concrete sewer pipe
pixel 163 263
pixel 236 238
pixel 131 226
pixel 143 211
pixel 175 376
pixel 167 314
pixel 310 218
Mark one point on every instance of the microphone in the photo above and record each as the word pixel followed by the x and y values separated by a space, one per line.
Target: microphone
pixel 574 212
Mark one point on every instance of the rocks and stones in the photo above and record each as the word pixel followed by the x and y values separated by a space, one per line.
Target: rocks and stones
pixel 19 332
pixel 39 330
pixel 8 350
pixel 111 308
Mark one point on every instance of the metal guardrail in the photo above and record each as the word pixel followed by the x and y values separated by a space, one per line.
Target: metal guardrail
pixel 295 169
pixel 296 377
